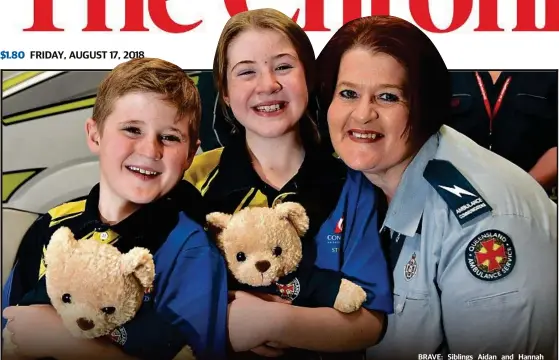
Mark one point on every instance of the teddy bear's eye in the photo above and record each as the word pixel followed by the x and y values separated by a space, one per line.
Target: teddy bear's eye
pixel 277 251
pixel 66 298
pixel 241 256
pixel 109 310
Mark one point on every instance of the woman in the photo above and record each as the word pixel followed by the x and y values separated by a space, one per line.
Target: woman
pixel 468 230
pixel 264 70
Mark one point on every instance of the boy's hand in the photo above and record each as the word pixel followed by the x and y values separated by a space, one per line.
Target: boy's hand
pixel 251 323
pixel 37 330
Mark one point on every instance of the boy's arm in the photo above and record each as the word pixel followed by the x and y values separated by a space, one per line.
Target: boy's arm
pixel 25 272
pixel 190 309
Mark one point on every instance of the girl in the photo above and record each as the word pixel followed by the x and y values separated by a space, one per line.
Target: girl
pixel 264 71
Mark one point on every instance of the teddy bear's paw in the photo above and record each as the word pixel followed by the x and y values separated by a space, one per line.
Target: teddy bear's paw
pixel 350 297
pixel 185 354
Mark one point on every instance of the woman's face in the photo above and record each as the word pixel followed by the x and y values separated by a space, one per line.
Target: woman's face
pixel 369 113
pixel 266 86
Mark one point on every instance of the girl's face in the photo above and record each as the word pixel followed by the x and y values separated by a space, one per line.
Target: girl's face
pixel 266 86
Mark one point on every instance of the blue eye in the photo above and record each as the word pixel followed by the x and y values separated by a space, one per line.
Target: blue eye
pixel 389 97
pixel 170 138
pixel 132 130
pixel 284 67
pixel 246 72
pixel 348 94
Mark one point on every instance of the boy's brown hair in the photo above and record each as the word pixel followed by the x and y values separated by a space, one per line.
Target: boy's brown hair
pixel 156 76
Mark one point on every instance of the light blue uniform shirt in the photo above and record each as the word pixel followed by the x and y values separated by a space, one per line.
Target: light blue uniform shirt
pixel 477 273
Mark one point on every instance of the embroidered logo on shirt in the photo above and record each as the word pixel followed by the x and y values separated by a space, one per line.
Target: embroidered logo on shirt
pixel 411 268
pixel 289 291
pixel 339 226
pixel 148 293
pixel 490 255
pixel 458 191
pixel 119 336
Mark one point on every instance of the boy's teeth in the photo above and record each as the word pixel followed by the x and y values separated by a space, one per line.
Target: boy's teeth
pixel 142 171
pixel 268 108
pixel 365 136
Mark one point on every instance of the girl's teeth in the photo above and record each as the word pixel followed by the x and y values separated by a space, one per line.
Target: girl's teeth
pixel 268 108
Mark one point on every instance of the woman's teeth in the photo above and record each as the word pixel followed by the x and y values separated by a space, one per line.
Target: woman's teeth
pixel 365 135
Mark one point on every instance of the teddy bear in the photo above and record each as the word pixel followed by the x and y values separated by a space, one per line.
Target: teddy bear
pixel 94 287
pixel 263 250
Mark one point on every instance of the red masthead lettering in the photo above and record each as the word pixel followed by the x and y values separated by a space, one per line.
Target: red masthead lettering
pixel 160 16
pixel 488 16
pixel 352 9
pixel 96 17
pixel 526 16
pixel 420 12
pixel 43 16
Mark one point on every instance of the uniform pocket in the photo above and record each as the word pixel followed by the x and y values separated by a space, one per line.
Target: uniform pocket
pixel 461 104
pixel 534 106
pixel 415 323
pixel 496 300
pixel 410 301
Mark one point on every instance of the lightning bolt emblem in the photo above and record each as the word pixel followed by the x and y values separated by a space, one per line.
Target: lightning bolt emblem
pixel 456 190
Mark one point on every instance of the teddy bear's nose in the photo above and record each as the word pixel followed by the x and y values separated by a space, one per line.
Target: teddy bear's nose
pixel 85 324
pixel 262 266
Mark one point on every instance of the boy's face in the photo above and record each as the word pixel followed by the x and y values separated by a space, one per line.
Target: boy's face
pixel 143 148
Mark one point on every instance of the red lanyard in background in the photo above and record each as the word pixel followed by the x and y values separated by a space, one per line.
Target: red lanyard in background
pixel 493 113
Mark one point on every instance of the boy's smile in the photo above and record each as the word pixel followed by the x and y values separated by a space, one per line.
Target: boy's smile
pixel 143 149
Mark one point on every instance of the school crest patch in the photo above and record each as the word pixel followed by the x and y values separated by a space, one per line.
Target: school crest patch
pixel 411 268
pixel 490 255
pixel 289 291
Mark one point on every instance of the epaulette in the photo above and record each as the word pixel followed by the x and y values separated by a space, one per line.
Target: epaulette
pixel 203 169
pixel 459 194
pixel 66 211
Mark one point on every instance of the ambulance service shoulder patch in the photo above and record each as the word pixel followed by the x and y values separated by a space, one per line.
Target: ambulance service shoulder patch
pixel 490 255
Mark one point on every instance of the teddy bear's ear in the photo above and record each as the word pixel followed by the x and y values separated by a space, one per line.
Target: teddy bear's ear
pixel 295 213
pixel 139 262
pixel 61 242
pixel 218 220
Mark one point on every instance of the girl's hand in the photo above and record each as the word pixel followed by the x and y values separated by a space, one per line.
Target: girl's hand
pixel 251 321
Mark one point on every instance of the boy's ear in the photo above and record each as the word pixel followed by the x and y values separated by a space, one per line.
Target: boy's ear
pixel 92 135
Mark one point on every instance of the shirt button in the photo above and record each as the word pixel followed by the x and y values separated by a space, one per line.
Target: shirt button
pixel 104 236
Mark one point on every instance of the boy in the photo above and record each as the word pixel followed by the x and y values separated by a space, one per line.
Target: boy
pixel 144 128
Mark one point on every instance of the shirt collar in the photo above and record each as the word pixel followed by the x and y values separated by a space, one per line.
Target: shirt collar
pixel 143 223
pixel 406 208
pixel 318 167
